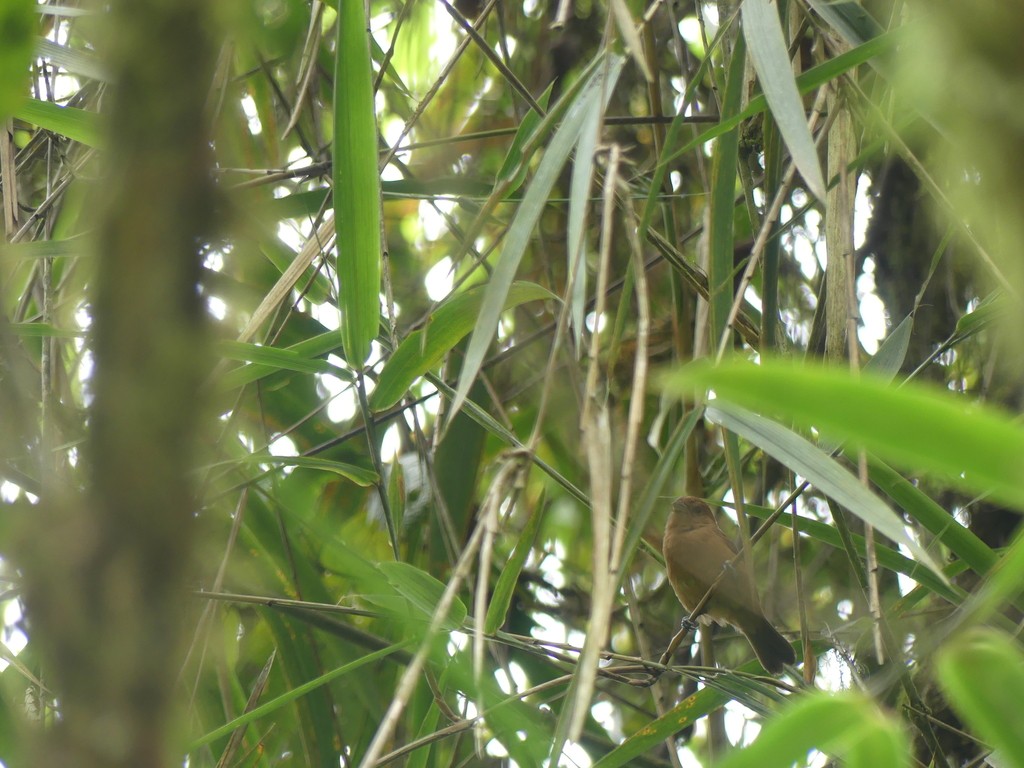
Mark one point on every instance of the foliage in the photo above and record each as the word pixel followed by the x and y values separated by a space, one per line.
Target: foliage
pixel 590 256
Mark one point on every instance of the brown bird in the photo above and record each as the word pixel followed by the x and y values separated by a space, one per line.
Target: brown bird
pixel 696 551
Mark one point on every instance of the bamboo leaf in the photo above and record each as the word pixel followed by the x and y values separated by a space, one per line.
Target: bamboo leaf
pixel 504 588
pixel 599 87
pixel 960 540
pixel 763 32
pixel 808 81
pixel 850 19
pixel 271 358
pixel 423 591
pixel 295 693
pixel 982 673
pixel 357 475
pixel 892 352
pixel 75 61
pixel 77 124
pixel 513 169
pixel 579 207
pixel 43 330
pixel 723 203
pixel 848 725
pixel 684 714
pixel 357 211
pixel 423 349
pixel 17 23
pixel 627 28
pixel 888 557
pixel 272 363
pixel 826 474
pixel 972 446
pixel 992 308
pixel 47 249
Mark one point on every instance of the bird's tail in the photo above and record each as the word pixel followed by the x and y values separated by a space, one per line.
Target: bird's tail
pixel 771 648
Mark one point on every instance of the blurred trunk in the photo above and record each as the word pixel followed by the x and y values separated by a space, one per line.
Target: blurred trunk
pixel 106 566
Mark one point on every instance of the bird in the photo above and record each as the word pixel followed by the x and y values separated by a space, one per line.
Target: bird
pixel 696 553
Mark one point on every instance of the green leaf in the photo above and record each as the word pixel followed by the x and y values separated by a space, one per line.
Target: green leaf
pixel 273 358
pixel 889 358
pixel 57 10
pixel 808 81
pixel 627 28
pixel 826 474
pixel 675 130
pixel 599 87
pixel 47 249
pixel 992 308
pixel 721 264
pixel 885 364
pixel 888 557
pixel 317 288
pixel 513 169
pixel 358 475
pixel 357 212
pixel 77 62
pixel 684 714
pixel 448 325
pixel 763 32
pixel 505 587
pixel 847 725
pixel 17 26
pixel 43 330
pixel 652 497
pixel 848 18
pixel 423 591
pixel 297 357
pixel 960 540
pixel 295 693
pixel 972 446
pixel 982 673
pixel 579 208
pixel 494 427
pixel 77 124
pixel 1002 586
